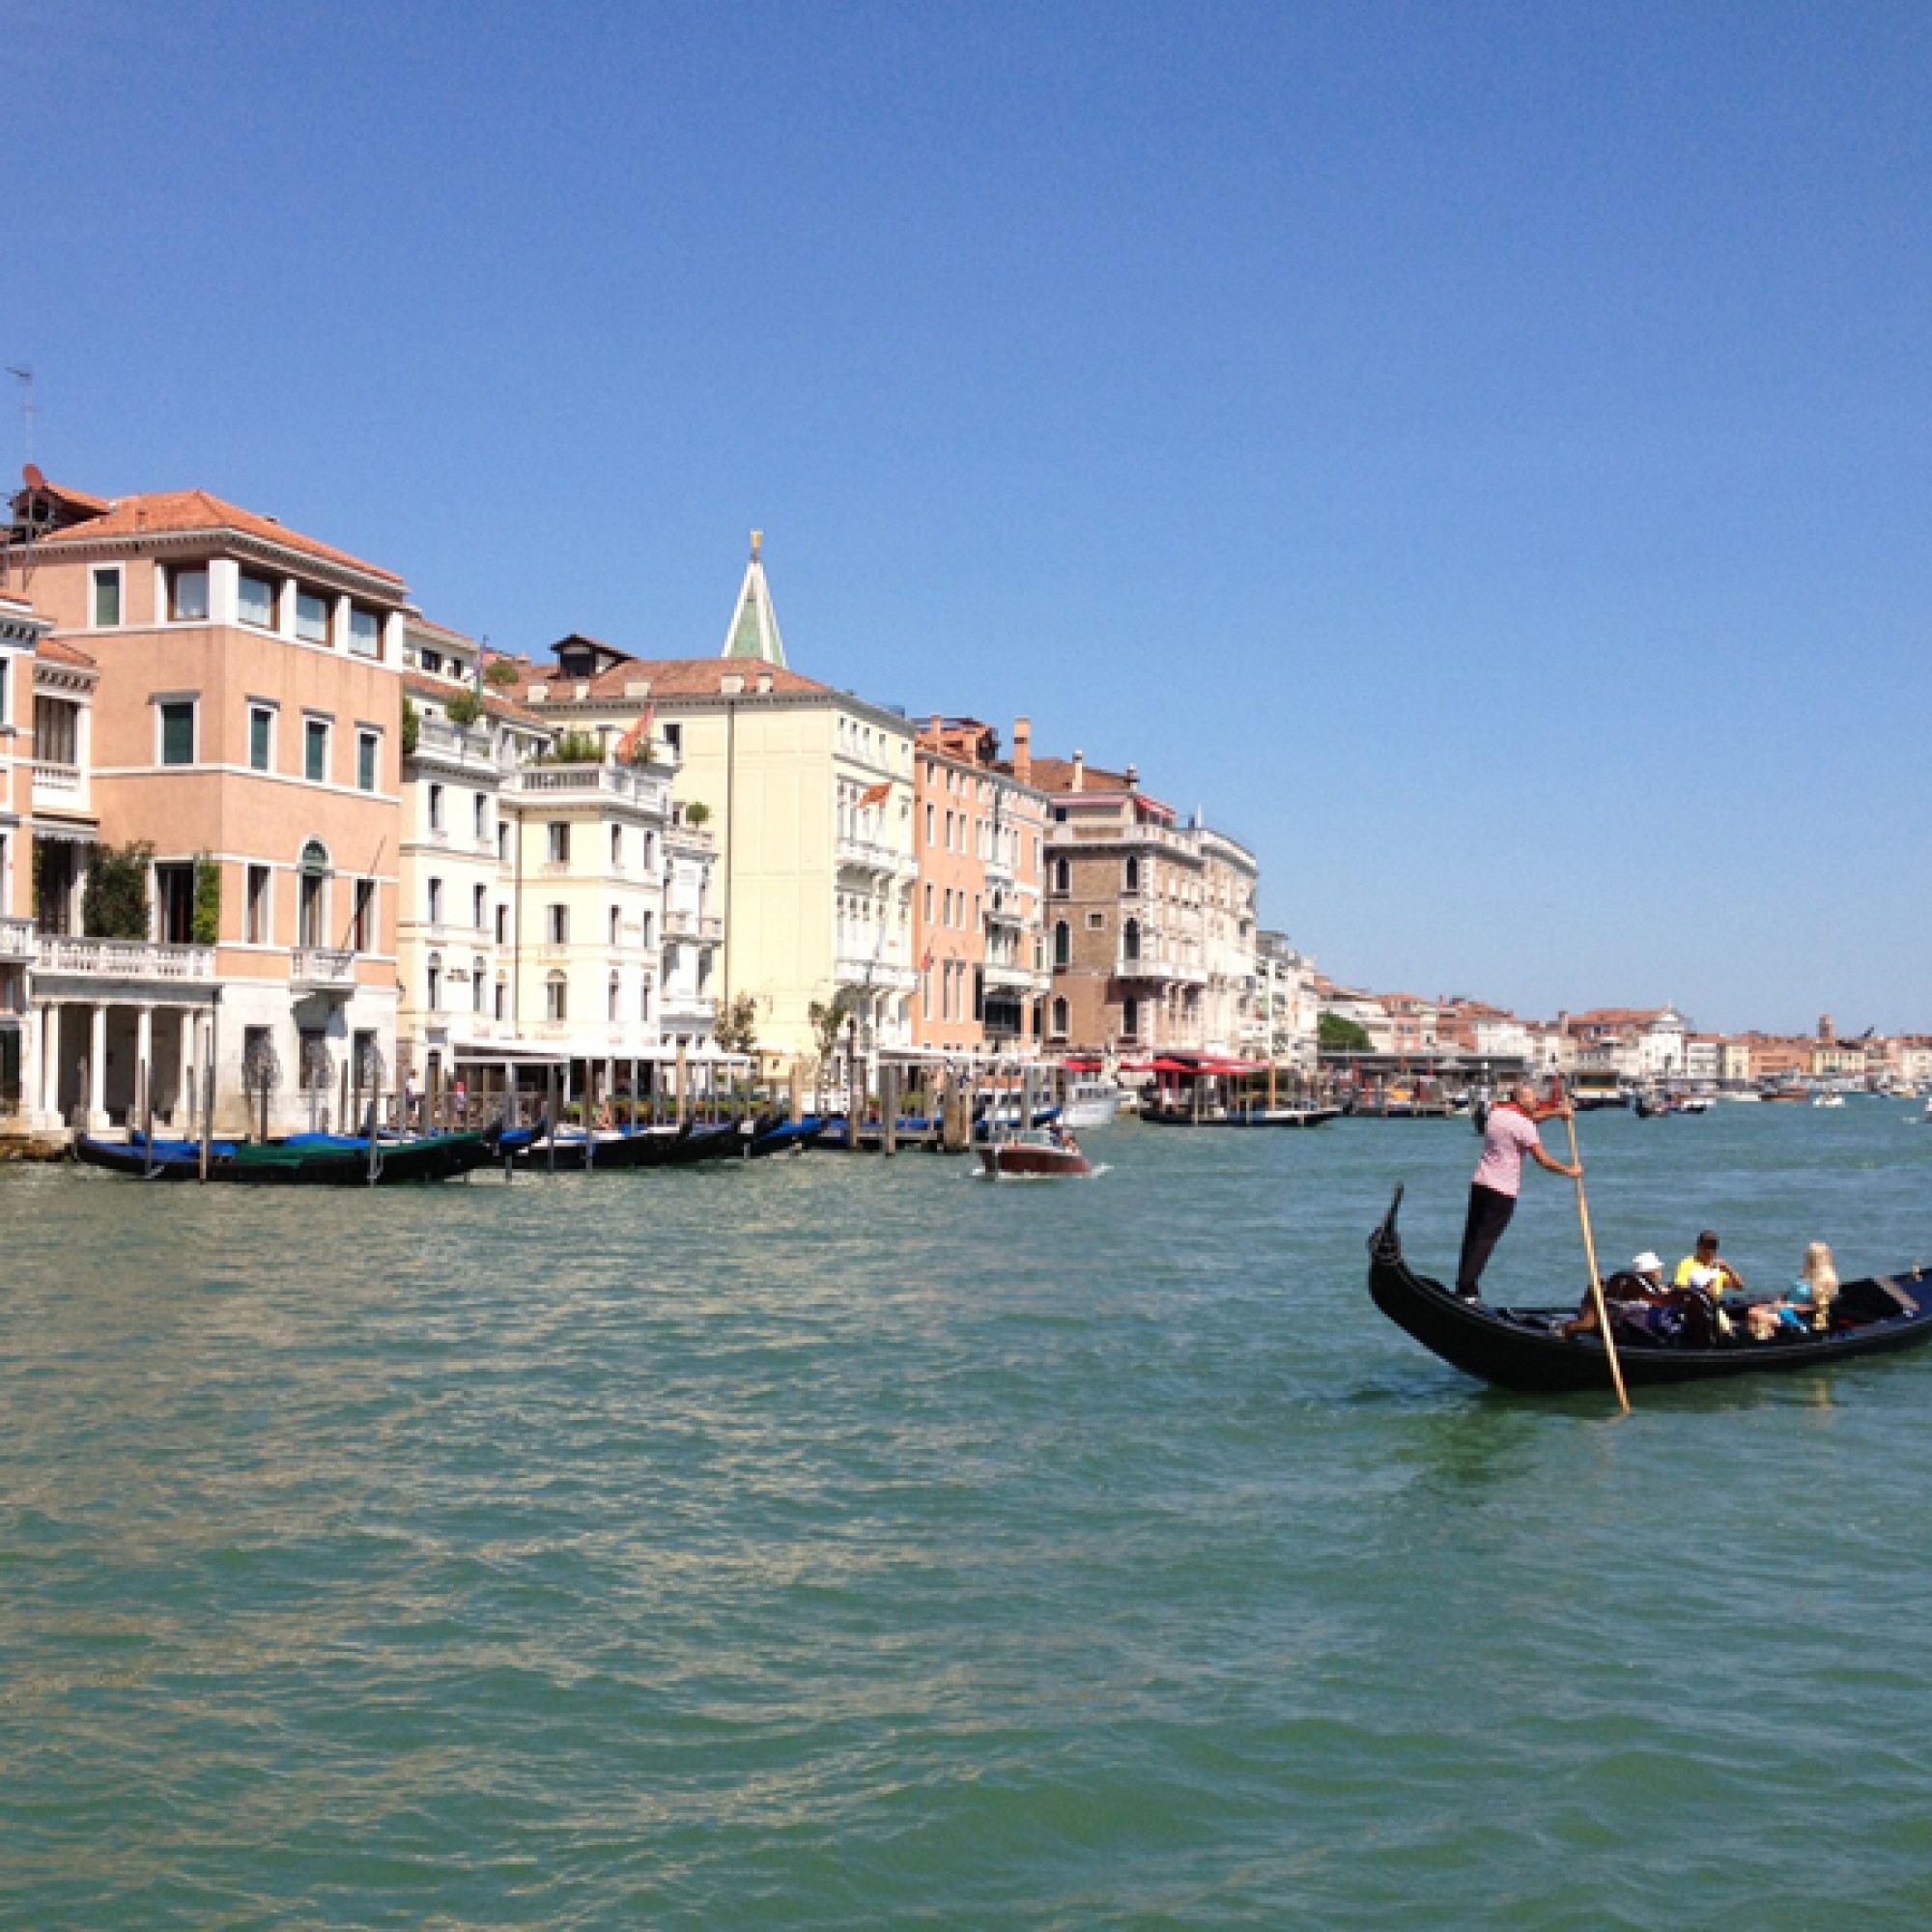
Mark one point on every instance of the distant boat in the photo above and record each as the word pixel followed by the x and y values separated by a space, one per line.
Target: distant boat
pixel 1092 1103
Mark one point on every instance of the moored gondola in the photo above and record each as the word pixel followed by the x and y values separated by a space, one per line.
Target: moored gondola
pixel 350 1164
pixel 1521 1348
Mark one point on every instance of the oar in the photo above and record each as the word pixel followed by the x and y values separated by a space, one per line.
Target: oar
pixel 1596 1280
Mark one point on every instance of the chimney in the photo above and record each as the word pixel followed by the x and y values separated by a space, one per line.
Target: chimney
pixel 1079 771
pixel 1133 778
pixel 1023 749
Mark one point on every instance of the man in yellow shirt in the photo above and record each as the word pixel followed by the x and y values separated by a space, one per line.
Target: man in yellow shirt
pixel 1707 1270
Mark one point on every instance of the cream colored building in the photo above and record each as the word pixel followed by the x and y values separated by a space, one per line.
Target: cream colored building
pixel 809 792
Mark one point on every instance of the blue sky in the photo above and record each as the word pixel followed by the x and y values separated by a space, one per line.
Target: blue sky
pixel 1479 453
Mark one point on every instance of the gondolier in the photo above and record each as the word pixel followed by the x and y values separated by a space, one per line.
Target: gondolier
pixel 1509 1135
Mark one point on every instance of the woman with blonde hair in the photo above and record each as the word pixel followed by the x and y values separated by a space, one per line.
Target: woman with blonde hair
pixel 1808 1302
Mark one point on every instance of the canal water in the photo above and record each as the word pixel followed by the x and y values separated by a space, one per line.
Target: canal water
pixel 838 1543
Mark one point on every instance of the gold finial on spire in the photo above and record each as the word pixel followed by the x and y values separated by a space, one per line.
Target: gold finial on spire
pixel 757 542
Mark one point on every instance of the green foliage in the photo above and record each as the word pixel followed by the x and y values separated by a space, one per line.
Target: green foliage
pixel 411 728
pixel 462 709
pixel 206 901
pixel 1335 1034
pixel 499 674
pixel 697 812
pixel 737 1027
pixel 574 747
pixel 828 1021
pixel 114 903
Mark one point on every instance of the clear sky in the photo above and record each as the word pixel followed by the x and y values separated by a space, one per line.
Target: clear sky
pixel 1479 453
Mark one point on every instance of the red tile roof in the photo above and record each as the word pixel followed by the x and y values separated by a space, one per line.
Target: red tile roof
pixel 424 685
pixel 182 511
pixel 667 677
pixel 55 651
pixel 1057 775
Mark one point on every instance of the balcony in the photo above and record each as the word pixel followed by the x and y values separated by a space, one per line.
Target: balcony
pixel 16 939
pixel 868 855
pixel 59 787
pixel 1157 960
pixel 1005 977
pixel 125 959
pixel 451 744
pixel 679 1009
pixel 706 929
pixel 322 969
pixel 873 972
pixel 593 784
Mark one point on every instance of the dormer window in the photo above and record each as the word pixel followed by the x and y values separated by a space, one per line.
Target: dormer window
pixel 255 602
pixel 188 594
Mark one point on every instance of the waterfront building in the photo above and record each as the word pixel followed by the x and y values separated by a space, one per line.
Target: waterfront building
pixel 980 837
pixel 24 635
pixel 1289 1006
pixel 244 724
pixel 1357 1008
pixel 1632 1042
pixel 809 794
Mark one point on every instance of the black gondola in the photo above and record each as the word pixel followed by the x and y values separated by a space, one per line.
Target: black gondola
pixel 435 1158
pixel 1521 1348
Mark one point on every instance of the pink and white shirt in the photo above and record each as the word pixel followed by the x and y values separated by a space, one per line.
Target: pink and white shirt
pixel 1509 1135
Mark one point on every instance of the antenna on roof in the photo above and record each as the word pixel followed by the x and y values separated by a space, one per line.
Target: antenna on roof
pixel 29 409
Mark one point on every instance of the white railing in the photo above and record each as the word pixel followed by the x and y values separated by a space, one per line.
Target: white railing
pixel 127 959
pixel 870 856
pixel 1012 979
pixel 879 974
pixel 619 781
pixel 62 778
pixel 437 734
pixel 676 1008
pixel 17 938
pixel 706 927
pixel 1157 961
pixel 321 966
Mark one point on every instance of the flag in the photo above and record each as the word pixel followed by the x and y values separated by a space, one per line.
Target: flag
pixel 876 794
pixel 926 964
pixel 635 743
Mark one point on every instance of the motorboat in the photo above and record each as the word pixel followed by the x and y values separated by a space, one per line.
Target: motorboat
pixel 1037 1153
pixel 1092 1103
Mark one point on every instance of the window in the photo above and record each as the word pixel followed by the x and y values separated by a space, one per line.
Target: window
pixel 436 808
pixel 178 731
pixel 643 928
pixel 479 806
pixel 188 594
pixel 502 844
pixel 557 997
pixel 315 750
pixel 673 737
pixel 368 747
pixel 3 691
pixel 1097 921
pixel 434 982
pixel 1130 941
pixel 502 995
pixel 556 925
pixel 502 925
pixel 644 999
pixel 174 896
pixel 1059 1020
pixel 106 598
pixel 559 843
pixel 617 931
pixel 1062 875
pixel 479 906
pixel 432 660
pixel 1063 943
pixel 929 821
pixel 56 731
pixel 255 602
pixel 365 633
pixel 616 849
pixel 435 902
pixel 929 895
pixel 479 985
pixel 1130 1019
pixel 611 998
pixel 1133 875
pixel 255 917
pixel 311 911
pixel 311 617
pixel 261 737
pixel 362 927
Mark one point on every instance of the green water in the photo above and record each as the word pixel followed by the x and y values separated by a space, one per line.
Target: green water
pixel 838 1543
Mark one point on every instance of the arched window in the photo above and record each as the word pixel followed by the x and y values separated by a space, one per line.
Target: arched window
pixel 1133 880
pixel 312 911
pixel 1063 943
pixel 479 984
pixel 1130 941
pixel 1130 1019
pixel 1059 1020
pixel 557 997
pixel 433 998
pixel 1062 875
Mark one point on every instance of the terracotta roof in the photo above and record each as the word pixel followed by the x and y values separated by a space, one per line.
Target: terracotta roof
pixel 667 677
pixel 424 684
pixel 55 651
pixel 1057 775
pixel 174 512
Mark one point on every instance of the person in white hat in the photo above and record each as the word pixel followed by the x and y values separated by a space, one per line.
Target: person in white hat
pixel 1639 1282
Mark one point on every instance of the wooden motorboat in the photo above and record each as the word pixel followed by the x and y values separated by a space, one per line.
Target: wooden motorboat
pixel 1520 1347
pixel 1033 1155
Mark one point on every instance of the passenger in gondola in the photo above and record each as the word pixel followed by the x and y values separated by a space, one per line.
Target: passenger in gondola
pixel 1805 1306
pixel 1706 1269
pixel 1509 1135
pixel 1632 1295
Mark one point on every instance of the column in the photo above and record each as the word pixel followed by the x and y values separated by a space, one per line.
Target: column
pixel 50 1052
pixel 184 1113
pixel 97 1070
pixel 144 1054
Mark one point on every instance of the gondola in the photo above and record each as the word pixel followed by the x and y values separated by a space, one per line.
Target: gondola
pixel 1520 1347
pixel 435 1158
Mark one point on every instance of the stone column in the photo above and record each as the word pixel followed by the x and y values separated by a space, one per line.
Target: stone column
pixel 184 1108
pixel 50 1051
pixel 144 1061
pixel 97 1070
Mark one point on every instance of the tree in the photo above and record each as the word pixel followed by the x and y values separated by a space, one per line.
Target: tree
pixel 1335 1034
pixel 206 901
pixel 697 812
pixel 499 674
pixel 114 905
pixel 462 709
pixel 411 728
pixel 827 1020
pixel 737 1027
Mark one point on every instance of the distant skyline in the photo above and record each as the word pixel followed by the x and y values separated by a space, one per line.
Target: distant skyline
pixel 1478 454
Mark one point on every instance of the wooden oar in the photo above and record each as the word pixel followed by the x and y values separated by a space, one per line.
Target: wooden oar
pixel 1596 1280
